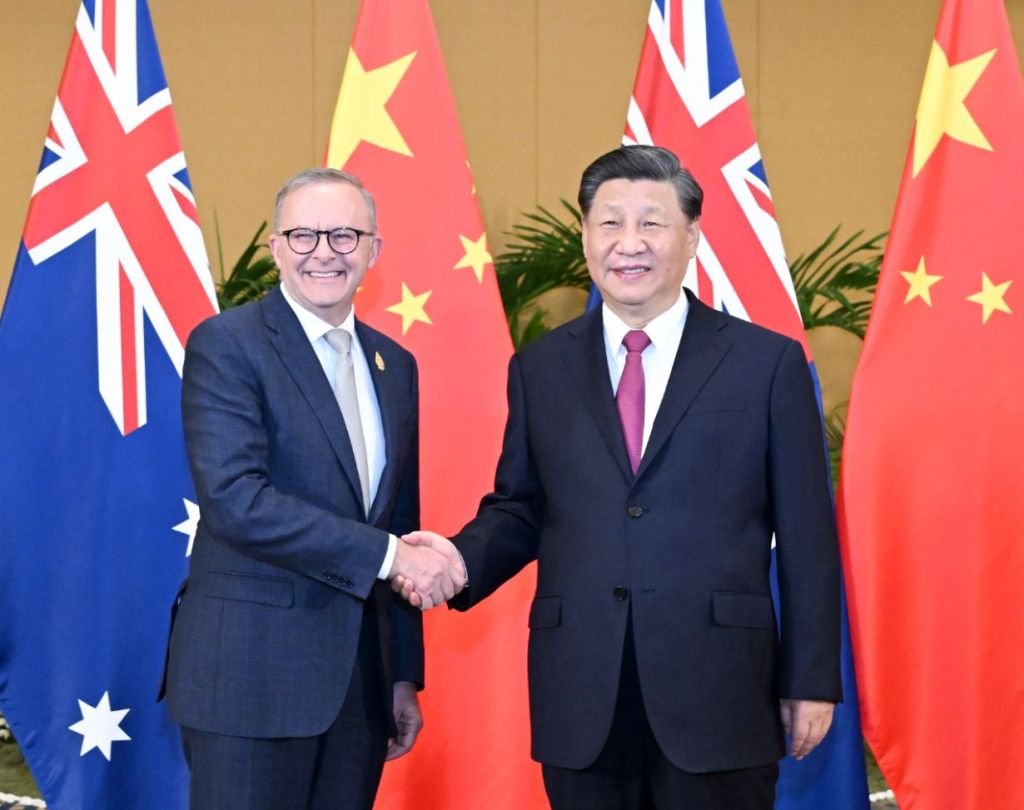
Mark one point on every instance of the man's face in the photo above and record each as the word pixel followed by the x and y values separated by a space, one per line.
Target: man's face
pixel 323 281
pixel 638 244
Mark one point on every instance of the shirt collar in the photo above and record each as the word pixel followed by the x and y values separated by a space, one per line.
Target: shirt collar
pixel 314 326
pixel 660 330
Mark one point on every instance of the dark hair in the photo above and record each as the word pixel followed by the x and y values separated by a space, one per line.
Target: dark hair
pixel 321 174
pixel 640 162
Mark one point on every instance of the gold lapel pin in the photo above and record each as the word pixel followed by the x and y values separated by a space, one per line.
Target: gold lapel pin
pixel 379 361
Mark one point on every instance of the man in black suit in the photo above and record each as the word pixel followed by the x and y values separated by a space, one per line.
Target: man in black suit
pixel 292 667
pixel 653 449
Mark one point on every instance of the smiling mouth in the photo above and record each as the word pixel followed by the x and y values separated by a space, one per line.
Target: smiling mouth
pixel 323 273
pixel 631 272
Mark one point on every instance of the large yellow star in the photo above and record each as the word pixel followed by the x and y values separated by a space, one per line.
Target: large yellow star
pixel 991 297
pixel 360 114
pixel 411 308
pixel 941 110
pixel 476 255
pixel 920 284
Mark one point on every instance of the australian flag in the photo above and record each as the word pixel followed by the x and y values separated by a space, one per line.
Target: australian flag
pixel 688 97
pixel 97 509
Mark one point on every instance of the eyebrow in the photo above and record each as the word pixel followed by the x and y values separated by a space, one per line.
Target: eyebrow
pixel 616 208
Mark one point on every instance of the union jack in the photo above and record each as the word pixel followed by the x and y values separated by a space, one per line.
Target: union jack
pixel 112 164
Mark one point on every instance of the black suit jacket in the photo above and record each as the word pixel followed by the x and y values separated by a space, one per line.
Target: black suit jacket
pixel 285 559
pixel 735 454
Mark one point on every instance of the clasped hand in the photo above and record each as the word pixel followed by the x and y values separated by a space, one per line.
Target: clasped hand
pixel 427 570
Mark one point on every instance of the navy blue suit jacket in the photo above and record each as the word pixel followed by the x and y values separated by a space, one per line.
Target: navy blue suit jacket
pixel 735 455
pixel 266 630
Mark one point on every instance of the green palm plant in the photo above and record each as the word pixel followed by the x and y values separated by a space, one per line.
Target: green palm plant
pixel 835 283
pixel 545 253
pixel 251 277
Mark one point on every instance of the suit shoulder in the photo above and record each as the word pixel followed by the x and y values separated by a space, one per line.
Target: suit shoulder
pixel 233 320
pixel 755 335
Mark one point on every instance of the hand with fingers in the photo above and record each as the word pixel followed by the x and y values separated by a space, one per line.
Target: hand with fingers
pixel 456 577
pixel 427 570
pixel 806 723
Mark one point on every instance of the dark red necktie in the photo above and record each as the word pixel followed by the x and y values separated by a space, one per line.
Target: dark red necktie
pixel 630 397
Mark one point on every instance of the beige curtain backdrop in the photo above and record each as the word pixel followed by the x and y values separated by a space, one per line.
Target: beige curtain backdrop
pixel 541 88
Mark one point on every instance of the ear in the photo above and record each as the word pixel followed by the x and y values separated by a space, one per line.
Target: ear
pixel 375 248
pixel 276 244
pixel 692 237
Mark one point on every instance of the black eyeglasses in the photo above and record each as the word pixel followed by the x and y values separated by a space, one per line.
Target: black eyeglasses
pixel 341 240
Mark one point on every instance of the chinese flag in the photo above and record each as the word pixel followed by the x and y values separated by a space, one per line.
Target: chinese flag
pixel 435 292
pixel 932 508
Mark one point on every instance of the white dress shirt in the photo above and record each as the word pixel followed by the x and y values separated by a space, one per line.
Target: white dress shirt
pixel 369 411
pixel 665 332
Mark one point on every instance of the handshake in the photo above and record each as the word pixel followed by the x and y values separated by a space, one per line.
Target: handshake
pixel 427 569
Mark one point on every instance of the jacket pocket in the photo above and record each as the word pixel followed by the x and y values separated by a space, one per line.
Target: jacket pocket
pixel 742 610
pixel 249 588
pixel 546 611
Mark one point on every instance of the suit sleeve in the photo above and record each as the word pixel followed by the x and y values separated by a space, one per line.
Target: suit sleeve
pixel 504 535
pixel 223 411
pixel 806 540
pixel 407 621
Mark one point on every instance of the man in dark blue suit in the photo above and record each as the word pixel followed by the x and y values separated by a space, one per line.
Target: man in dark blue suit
pixel 292 668
pixel 653 449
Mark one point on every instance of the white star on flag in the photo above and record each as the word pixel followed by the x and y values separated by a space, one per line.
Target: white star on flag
pixel 99 726
pixel 189 525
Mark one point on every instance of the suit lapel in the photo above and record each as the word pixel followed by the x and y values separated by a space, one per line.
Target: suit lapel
pixel 588 366
pixel 300 360
pixel 701 350
pixel 384 385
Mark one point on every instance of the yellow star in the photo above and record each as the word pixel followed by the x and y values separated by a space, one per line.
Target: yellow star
pixel 411 308
pixel 990 297
pixel 941 110
pixel 920 284
pixel 360 114
pixel 476 255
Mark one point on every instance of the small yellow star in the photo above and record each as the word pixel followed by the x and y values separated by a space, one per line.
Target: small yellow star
pixel 920 284
pixel 941 110
pixel 990 297
pixel 476 255
pixel 360 114
pixel 411 308
pixel 471 180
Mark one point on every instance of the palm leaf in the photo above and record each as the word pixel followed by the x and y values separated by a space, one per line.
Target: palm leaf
pixel 251 277
pixel 835 283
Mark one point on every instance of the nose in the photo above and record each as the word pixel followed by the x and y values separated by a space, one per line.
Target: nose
pixel 323 251
pixel 631 241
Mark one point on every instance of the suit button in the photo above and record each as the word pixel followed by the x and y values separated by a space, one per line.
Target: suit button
pixel 620 592
pixel 635 511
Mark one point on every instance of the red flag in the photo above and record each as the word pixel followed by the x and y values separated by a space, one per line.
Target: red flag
pixel 434 291
pixel 933 491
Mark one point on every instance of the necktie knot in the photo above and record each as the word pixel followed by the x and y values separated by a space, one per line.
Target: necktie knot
pixel 340 340
pixel 636 340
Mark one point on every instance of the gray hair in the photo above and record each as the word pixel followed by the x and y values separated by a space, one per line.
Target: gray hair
pixel 640 162
pixel 316 175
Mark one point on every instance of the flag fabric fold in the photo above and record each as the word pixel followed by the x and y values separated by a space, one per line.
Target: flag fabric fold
pixel 434 290
pixel 689 97
pixel 98 507
pixel 932 499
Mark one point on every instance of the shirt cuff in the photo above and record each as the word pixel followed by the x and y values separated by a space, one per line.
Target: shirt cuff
pixel 389 558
